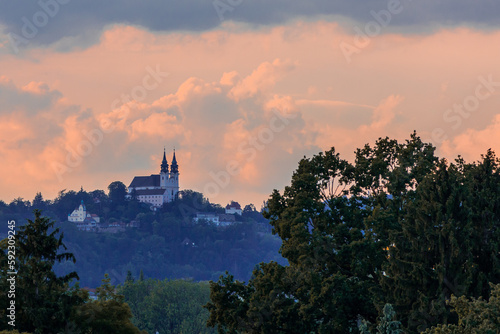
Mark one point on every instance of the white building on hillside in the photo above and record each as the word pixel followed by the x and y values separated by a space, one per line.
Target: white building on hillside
pixel 207 216
pixel 84 220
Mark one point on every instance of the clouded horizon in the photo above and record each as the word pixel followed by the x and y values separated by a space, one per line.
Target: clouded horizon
pixel 91 92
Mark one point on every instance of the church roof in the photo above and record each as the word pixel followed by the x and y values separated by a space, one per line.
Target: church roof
pixel 145 181
pixel 150 192
pixel 233 205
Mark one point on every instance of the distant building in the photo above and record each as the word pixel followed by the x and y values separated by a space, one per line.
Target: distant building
pixel 233 208
pixel 157 189
pixel 214 218
pixel 84 220
pixel 209 217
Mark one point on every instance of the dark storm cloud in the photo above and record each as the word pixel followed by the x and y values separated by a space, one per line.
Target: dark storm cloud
pixel 53 20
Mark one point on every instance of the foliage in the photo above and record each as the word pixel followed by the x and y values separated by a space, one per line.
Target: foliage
pixel 475 316
pixel 172 250
pixel 158 246
pixel 107 315
pixel 117 191
pixel 398 226
pixel 448 242
pixel 43 300
pixel 386 323
pixel 168 306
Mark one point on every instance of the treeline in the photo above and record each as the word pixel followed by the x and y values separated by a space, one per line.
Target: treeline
pixel 167 306
pixel 171 250
pixel 398 230
pixel 113 205
pixel 166 245
pixel 36 300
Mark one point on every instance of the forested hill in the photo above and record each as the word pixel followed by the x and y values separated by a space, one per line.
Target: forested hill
pixel 167 244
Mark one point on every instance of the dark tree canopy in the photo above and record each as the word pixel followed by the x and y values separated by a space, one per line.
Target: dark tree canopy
pixel 397 226
pixel 117 192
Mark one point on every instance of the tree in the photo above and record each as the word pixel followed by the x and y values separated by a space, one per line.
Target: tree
pixel 129 278
pixel 249 208
pixel 108 314
pixel 117 192
pixel 19 205
pixel 168 306
pixel 332 272
pixel 38 202
pixel 44 301
pixel 448 242
pixel 398 226
pixel 474 315
pixel 386 323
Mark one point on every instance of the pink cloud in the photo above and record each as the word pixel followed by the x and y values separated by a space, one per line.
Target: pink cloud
pixel 261 79
pixel 209 108
pixel 472 142
pixel 36 88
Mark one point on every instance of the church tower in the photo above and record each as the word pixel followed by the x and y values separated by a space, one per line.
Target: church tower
pixel 174 170
pixel 173 178
pixel 164 174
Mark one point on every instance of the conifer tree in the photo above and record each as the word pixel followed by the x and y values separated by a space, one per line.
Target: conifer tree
pixel 44 301
pixel 448 242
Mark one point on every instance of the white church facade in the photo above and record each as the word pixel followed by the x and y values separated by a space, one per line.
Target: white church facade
pixel 157 189
pixel 85 221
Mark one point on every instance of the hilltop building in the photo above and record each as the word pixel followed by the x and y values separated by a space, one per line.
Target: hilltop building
pixel 233 208
pixel 84 220
pixel 220 219
pixel 157 189
pixel 217 219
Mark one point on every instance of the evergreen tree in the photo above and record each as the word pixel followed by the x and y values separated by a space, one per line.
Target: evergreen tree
pixel 38 202
pixel 129 278
pixel 44 300
pixel 448 242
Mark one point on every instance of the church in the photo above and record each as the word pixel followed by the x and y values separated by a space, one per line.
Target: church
pixel 157 189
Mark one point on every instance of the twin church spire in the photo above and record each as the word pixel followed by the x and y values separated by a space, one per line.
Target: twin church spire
pixel 174 168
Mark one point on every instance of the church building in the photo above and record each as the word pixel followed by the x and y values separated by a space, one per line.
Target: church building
pixel 157 189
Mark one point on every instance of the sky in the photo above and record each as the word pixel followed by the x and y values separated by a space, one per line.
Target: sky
pixel 92 92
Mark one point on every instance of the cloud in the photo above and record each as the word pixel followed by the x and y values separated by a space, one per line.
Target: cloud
pixel 472 142
pixel 222 110
pixel 30 99
pixel 211 131
pixel 331 103
pixel 383 114
pixel 76 24
pixel 262 79
pixel 328 133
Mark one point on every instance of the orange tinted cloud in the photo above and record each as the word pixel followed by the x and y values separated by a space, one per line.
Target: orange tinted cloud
pixel 213 110
pixel 472 142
